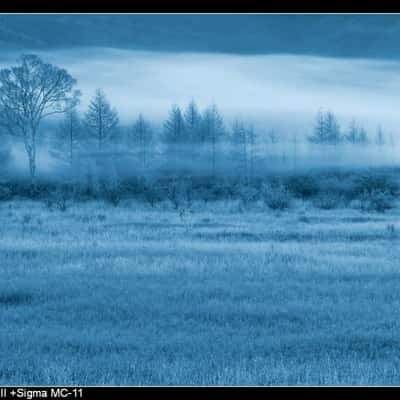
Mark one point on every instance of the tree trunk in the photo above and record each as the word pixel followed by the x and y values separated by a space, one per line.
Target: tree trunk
pixel 30 146
pixel 213 156
pixel 32 169
pixel 71 139
pixel 144 153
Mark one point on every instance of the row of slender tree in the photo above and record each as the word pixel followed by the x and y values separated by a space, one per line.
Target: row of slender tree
pixel 182 132
pixel 327 131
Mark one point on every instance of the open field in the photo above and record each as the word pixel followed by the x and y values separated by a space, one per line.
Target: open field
pixel 134 295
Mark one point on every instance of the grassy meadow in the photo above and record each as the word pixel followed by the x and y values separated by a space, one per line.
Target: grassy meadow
pixel 140 295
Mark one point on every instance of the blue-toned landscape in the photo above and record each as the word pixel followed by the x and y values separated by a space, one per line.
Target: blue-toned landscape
pixel 199 199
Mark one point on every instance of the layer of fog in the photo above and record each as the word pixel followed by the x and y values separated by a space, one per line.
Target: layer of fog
pixel 282 92
pixel 260 161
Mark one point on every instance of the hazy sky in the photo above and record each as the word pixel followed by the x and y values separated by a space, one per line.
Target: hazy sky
pixel 265 88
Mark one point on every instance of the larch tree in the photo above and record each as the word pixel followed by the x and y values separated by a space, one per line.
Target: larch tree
pixel 380 137
pixel 212 131
pixel 239 142
pixel 141 138
pixel 294 141
pixel 332 129
pixel 174 127
pixel 326 129
pixel 69 134
pixel 101 119
pixel 252 142
pixel 319 132
pixel 352 133
pixel 362 137
pixel 272 136
pixel 192 118
pixel 175 137
pixel 30 92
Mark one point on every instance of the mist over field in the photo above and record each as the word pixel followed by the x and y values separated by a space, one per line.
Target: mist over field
pixel 274 92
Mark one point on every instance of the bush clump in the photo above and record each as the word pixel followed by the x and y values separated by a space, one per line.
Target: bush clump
pixel 302 186
pixel 152 194
pixel 374 184
pixel 276 197
pixel 376 200
pixel 111 191
pixel 58 198
pixel 328 201
pixel 248 195
pixel 5 193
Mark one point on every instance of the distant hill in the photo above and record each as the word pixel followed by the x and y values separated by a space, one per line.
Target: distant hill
pixel 371 36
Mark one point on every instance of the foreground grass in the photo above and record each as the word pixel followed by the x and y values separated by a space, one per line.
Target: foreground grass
pixel 133 296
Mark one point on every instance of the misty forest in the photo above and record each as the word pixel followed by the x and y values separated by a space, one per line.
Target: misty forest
pixel 197 215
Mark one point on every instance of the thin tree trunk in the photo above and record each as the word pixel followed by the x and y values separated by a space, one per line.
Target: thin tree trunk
pixel 30 146
pixel 213 156
pixel 144 153
pixel 32 167
pixel 100 128
pixel 252 160
pixel 70 140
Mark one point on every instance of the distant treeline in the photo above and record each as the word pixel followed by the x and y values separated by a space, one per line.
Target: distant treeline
pixel 327 130
pixel 33 91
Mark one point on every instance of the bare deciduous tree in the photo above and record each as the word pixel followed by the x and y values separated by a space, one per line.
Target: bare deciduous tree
pixel 29 93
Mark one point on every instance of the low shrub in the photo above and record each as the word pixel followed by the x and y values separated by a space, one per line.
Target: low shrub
pixel 133 187
pixel 210 188
pixel 304 219
pixel 376 200
pixel 302 186
pixel 58 199
pixel 26 219
pixel 328 201
pixel 374 190
pixel 5 193
pixel 391 230
pixel 180 193
pixel 248 195
pixel 111 192
pixel 152 194
pixel 276 197
pixel 373 184
pixel 111 188
pixel 337 185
